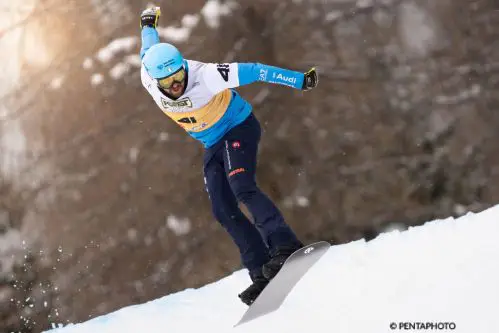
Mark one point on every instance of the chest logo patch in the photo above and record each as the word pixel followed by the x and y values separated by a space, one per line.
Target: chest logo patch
pixel 180 103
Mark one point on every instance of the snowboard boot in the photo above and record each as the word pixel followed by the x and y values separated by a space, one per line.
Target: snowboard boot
pixel 249 295
pixel 277 258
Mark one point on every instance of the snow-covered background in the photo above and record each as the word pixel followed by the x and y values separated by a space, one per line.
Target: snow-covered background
pixel 443 273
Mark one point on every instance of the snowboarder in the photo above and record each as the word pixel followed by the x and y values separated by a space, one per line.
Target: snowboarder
pixel 201 98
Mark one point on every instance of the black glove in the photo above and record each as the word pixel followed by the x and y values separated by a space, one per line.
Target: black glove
pixel 149 17
pixel 311 79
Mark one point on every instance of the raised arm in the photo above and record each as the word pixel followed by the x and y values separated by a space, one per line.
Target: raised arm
pixel 223 76
pixel 149 38
pixel 149 34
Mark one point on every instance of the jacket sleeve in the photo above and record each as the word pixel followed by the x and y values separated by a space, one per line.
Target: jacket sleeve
pixel 219 77
pixel 149 37
pixel 251 72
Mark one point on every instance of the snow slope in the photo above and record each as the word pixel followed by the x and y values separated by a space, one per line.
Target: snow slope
pixel 443 275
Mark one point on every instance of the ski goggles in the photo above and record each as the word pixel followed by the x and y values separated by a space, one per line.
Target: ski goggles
pixel 167 82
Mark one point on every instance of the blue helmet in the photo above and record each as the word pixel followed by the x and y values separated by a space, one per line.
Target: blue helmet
pixel 162 60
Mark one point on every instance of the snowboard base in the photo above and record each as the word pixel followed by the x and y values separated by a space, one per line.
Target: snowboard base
pixel 295 267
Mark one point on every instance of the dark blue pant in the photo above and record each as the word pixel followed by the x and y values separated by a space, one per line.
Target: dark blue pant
pixel 229 171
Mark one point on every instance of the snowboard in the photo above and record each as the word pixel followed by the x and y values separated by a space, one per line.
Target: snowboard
pixel 294 268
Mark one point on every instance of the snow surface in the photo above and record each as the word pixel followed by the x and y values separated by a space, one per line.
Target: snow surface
pixel 442 273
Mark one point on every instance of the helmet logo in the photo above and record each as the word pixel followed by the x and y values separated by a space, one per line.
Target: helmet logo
pixel 166 64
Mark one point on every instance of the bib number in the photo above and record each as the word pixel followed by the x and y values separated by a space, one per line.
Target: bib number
pixel 187 120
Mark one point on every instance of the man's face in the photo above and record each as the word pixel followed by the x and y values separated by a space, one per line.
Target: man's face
pixel 174 84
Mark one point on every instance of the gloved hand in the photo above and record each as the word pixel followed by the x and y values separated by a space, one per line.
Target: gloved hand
pixel 150 17
pixel 311 79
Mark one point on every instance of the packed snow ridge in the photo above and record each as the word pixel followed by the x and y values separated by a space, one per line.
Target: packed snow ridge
pixel 441 276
